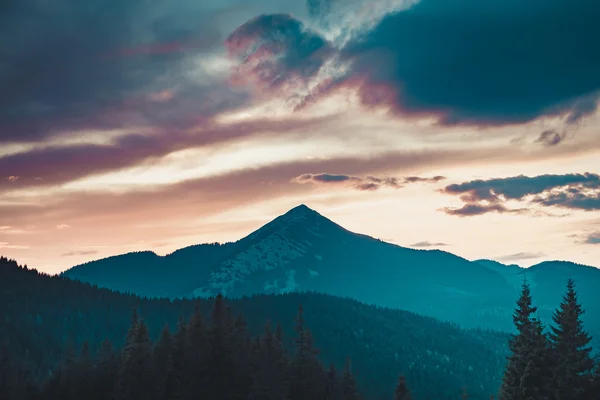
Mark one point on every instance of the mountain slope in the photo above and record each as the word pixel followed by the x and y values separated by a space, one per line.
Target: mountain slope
pixel 304 251
pixel 42 314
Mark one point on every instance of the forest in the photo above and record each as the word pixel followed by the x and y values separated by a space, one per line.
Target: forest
pixel 66 340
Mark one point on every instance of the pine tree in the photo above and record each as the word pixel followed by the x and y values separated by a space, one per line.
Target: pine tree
pixel 307 377
pixel 163 359
pixel 271 367
pixel 5 374
pixel 573 363
pixel 535 383
pixel 594 389
pixel 332 388
pixel 348 383
pixel 221 360
pixel 180 354
pixel 137 374
pixel 402 392
pixel 520 347
pixel 81 385
pixel 107 367
pixel 190 356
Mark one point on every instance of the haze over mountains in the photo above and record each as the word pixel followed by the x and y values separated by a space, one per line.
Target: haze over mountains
pixel 304 251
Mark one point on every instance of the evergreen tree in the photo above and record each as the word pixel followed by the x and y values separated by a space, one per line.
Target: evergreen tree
pixel 307 377
pixel 180 359
pixel 573 364
pixel 163 359
pixel 240 346
pixel 137 376
pixel 348 384
pixel 81 387
pixel 402 392
pixel 106 372
pixel 332 388
pixel 520 347
pixel 535 383
pixel 190 356
pixel 220 372
pixel 271 367
pixel 594 388
pixel 5 375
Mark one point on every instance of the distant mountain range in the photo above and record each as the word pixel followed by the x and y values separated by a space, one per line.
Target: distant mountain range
pixel 304 251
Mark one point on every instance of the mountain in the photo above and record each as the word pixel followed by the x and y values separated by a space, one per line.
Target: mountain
pixel 43 316
pixel 304 251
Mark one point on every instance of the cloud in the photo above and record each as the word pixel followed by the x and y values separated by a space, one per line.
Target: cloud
pixel 13 178
pixel 368 183
pixel 5 245
pixel 469 210
pixel 80 253
pixel 466 61
pixel 63 226
pixel 593 238
pixel 520 256
pixel 428 244
pixel 277 52
pixel 60 164
pixel 93 65
pixel 551 138
pixel 571 191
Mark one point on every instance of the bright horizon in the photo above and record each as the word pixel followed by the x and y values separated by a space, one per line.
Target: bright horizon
pixel 206 122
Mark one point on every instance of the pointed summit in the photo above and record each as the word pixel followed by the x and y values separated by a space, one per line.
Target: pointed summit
pixel 298 218
pixel 300 211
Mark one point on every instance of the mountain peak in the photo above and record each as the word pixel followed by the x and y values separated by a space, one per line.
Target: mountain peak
pixel 300 211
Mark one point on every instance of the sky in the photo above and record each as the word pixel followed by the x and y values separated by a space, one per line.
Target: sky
pixel 463 125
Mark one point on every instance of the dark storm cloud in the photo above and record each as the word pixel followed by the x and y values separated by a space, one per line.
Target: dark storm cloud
pixel 277 52
pixel 368 183
pixel 484 62
pixel 571 191
pixel 466 61
pixel 551 137
pixel 428 244
pixel 72 65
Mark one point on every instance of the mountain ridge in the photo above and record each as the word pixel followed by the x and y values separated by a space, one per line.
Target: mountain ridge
pixel 302 250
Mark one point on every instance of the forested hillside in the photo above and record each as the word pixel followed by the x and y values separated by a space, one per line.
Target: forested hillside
pixel 44 316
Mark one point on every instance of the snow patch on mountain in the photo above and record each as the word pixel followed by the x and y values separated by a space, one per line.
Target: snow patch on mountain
pixel 274 251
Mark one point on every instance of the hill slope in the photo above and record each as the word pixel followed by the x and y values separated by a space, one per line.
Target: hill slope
pixel 41 314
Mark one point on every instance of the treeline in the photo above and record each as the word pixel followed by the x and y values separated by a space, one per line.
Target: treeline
pixel 215 359
pixel 220 357
pixel 41 316
pixel 550 365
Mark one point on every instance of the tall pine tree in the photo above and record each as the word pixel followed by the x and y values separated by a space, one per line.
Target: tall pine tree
pixel 137 374
pixel 535 383
pixel 526 357
pixel 307 376
pixel 573 363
